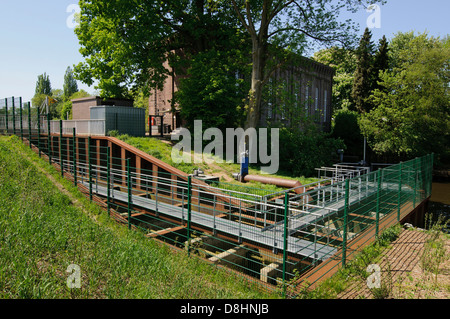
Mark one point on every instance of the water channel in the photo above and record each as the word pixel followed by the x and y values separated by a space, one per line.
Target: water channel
pixel 440 201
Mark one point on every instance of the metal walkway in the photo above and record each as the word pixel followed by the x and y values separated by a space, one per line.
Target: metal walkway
pixel 272 237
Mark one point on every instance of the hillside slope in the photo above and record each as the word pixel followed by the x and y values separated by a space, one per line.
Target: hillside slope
pixel 46 225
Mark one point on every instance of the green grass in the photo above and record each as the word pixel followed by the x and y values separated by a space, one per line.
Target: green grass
pixel 163 151
pixel 42 232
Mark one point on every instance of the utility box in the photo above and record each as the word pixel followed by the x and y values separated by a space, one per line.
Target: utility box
pixel 125 120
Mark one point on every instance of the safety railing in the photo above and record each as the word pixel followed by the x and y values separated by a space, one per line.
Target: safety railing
pixel 279 239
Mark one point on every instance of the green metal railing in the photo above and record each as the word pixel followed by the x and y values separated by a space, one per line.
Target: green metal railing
pixel 279 239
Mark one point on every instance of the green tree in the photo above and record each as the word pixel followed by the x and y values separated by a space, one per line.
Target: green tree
pixel 70 84
pixel 343 61
pixel 213 90
pixel 43 85
pixel 381 62
pixel 412 117
pixel 362 83
pixel 279 28
pixel 126 46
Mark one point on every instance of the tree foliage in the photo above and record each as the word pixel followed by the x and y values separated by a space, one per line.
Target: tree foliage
pixel 213 90
pixel 277 29
pixel 43 85
pixel 412 116
pixel 126 45
pixel 70 84
pixel 343 61
pixel 363 80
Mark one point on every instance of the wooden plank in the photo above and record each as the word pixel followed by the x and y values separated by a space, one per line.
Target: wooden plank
pixel 163 232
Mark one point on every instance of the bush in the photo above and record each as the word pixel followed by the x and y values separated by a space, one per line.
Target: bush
pixel 302 152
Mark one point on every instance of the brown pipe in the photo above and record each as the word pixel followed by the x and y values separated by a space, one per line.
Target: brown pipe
pixel 276 181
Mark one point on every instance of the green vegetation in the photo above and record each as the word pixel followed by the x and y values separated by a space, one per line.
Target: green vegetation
pixel 355 270
pixel 44 230
pixel 163 151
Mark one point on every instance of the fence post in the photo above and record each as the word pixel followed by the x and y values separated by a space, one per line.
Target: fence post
pixel 378 203
pixel 74 157
pixel 108 181
pixel 29 123
pixel 49 138
pixel 39 131
pixel 6 106
pixel 61 166
pixel 21 120
pixel 344 239
pixel 285 241
pixel 129 192
pixel 415 183
pixel 189 215
pixel 400 190
pixel 14 115
pixel 90 168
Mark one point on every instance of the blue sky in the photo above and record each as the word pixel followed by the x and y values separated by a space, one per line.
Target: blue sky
pixel 35 37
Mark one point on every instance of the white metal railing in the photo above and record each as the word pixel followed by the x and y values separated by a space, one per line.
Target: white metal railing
pixel 82 127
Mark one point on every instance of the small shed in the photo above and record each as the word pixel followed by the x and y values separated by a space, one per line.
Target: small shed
pixel 125 120
pixel 80 107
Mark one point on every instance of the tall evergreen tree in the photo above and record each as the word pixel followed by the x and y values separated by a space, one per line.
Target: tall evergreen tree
pixel 362 84
pixel 70 84
pixel 381 62
pixel 43 85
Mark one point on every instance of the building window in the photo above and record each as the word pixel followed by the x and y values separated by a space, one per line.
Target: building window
pixel 325 106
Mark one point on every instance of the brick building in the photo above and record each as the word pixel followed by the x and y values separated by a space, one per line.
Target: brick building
pixel 309 86
pixel 80 107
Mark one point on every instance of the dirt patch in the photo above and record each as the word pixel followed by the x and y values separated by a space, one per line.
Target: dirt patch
pixel 403 274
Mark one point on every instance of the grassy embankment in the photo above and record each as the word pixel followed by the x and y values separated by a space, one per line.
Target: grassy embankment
pixel 45 228
pixel 224 170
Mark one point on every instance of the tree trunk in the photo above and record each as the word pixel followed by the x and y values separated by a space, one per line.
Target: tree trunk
pixel 255 94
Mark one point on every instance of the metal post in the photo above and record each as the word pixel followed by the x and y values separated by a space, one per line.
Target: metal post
pixel 49 138
pixel 74 157
pixel 415 182
pixel 6 106
pixel 285 242
pixel 400 190
pixel 189 215
pixel 90 167
pixel 129 192
pixel 39 131
pixel 150 126
pixel 14 115
pixel 21 120
pixel 108 181
pixel 29 123
pixel 61 166
pixel 344 239
pixel 378 203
